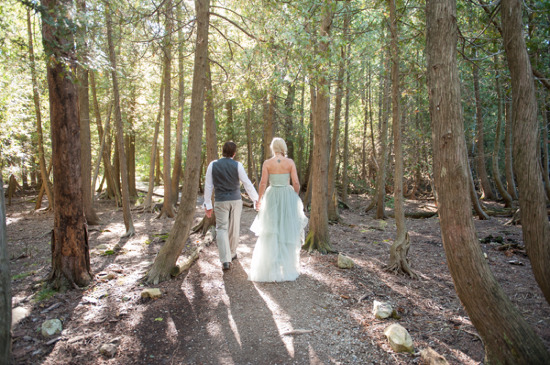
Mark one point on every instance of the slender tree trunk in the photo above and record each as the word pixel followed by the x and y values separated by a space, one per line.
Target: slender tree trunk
pixel 148 203
pixel 211 149
pixel 474 198
pixel 301 131
pixel 480 141
pixel 508 339
pixel 168 254
pixel 500 116
pixel 508 141
pixel 545 145
pixel 399 263
pixel 230 122
pixel 158 173
pixel 36 99
pixel 289 120
pixel 70 254
pixel 178 158
pixel 5 287
pixel 105 134
pixel 167 207
pixel 84 118
pixel 532 199
pixel 131 147
pixel 128 223
pixel 309 174
pixel 250 157
pixel 345 178
pixel 383 157
pixel 269 131
pixel 318 237
pixel 333 214
pixel 101 150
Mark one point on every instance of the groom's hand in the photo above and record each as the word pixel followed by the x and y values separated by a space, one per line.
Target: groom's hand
pixel 208 212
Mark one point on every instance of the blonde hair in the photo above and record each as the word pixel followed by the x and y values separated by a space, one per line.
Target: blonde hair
pixel 278 145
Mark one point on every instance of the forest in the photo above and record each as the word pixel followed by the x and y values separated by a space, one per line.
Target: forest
pixel 419 131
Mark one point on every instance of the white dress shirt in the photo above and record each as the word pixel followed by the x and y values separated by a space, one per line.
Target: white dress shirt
pixel 209 185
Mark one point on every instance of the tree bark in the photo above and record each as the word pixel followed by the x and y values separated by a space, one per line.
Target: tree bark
pixel 5 287
pixel 480 140
pixel 167 207
pixel 289 119
pixel 84 118
pixel 168 254
pixel 148 203
pixel 474 198
pixel 39 134
pixel 508 339
pixel 500 116
pixel 105 135
pixel 178 158
pixel 345 178
pixel 532 199
pixel 333 214
pixel 545 145
pixel 318 237
pixel 70 254
pixel 130 145
pixel 508 141
pixel 128 223
pixel 399 262
pixel 383 157
pixel 211 149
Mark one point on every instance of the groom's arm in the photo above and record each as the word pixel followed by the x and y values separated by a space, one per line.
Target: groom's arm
pixel 248 186
pixel 208 188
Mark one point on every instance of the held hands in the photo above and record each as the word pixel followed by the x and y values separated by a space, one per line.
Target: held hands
pixel 257 205
pixel 208 212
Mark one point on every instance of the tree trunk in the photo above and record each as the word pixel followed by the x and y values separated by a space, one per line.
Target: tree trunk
pixel 508 339
pixel 473 196
pixel 508 141
pixel 333 214
pixel 269 127
pixel 480 140
pixel 105 135
pixel 128 223
pixel 230 125
pixel 500 113
pixel 399 263
pixel 101 149
pixel 289 120
pixel 309 174
pixel 301 131
pixel 318 238
pixel 532 199
pixel 345 179
pixel 5 287
pixel 131 146
pixel 211 149
pixel 148 203
pixel 70 254
pixel 545 145
pixel 178 158
pixel 383 157
pixel 168 254
pixel 167 207
pixel 36 99
pixel 158 173
pixel 250 155
pixel 85 136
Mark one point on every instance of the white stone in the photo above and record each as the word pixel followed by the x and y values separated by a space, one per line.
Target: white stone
pixel 382 310
pixel 51 327
pixel 345 262
pixel 108 349
pixel 152 293
pixel 399 338
pixel 18 313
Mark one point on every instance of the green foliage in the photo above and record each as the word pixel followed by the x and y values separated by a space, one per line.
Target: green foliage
pixel 22 275
pixel 45 293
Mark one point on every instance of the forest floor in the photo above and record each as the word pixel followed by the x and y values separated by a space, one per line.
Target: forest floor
pixel 206 316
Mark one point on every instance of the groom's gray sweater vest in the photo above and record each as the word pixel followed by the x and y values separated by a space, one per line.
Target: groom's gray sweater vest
pixel 225 175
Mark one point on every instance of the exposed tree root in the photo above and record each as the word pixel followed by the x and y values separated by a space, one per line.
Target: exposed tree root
pixel 399 263
pixel 416 215
pixel 189 259
pixel 313 243
pixel 204 225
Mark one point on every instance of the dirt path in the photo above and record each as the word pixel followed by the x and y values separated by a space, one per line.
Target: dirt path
pixel 206 316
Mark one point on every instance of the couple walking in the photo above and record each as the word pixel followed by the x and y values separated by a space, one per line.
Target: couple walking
pixel 280 221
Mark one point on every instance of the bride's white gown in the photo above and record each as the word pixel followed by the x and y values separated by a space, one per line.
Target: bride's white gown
pixel 280 229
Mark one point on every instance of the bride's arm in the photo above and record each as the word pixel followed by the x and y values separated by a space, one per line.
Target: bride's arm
pixel 294 177
pixel 263 183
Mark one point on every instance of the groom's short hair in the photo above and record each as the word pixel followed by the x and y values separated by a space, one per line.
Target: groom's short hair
pixel 229 149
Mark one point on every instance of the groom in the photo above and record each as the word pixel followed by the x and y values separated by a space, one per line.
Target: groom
pixel 224 176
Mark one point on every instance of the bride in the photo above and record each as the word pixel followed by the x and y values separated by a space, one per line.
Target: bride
pixel 280 222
